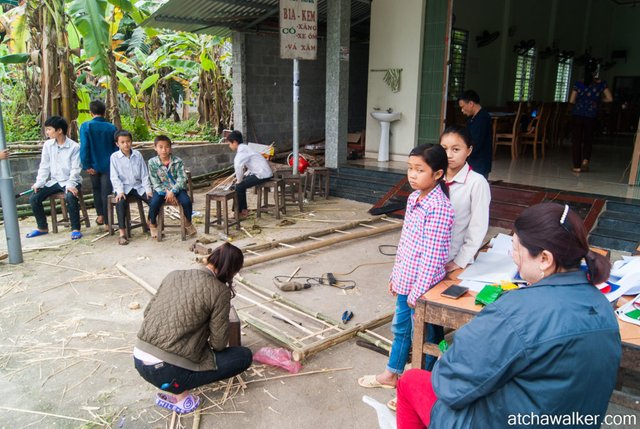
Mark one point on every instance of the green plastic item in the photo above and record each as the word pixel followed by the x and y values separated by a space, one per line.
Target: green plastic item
pixel 488 294
pixel 443 346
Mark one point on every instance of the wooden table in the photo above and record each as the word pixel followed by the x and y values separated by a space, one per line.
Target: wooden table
pixel 450 313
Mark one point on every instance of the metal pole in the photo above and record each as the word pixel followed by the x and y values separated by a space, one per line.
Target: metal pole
pixel 296 100
pixel 9 210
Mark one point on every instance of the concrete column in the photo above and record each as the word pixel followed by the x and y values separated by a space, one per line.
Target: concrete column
pixel 238 81
pixel 337 105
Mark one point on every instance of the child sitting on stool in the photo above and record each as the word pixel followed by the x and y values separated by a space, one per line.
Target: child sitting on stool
pixel 59 171
pixel 250 167
pixel 129 178
pixel 169 183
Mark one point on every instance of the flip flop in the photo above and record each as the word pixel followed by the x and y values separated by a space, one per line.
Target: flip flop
pixel 370 382
pixel 36 233
pixel 76 235
pixel 393 404
pixel 123 241
pixel 187 405
pixel 101 222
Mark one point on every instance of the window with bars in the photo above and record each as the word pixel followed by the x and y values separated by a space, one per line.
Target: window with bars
pixel 458 61
pixel 563 76
pixel 525 75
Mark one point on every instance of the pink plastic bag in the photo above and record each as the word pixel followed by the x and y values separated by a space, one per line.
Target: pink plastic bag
pixel 279 357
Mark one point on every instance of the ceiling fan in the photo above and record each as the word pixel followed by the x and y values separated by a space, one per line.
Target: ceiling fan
pixel 486 38
pixel 524 46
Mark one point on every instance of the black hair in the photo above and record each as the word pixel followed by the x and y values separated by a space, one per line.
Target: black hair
pixel 97 107
pixel 460 131
pixel 469 95
pixel 435 157
pixel 227 261
pixel 57 123
pixel 590 69
pixel 161 138
pixel 545 226
pixel 235 136
pixel 122 133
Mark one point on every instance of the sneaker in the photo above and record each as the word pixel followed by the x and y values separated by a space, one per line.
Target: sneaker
pixel 170 402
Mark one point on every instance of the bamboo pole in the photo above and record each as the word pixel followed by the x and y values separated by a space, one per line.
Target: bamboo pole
pixel 340 337
pixel 319 244
pixel 276 313
pixel 270 331
pixel 136 279
pixel 314 234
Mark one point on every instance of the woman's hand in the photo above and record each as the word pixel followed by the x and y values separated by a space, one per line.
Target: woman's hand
pixel 451 266
pixel 391 289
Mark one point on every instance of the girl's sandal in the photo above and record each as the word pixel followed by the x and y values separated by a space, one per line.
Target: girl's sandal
pixel 393 404
pixel 187 405
pixel 123 241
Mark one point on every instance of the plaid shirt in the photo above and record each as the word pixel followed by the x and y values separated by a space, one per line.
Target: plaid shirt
pixel 159 175
pixel 424 244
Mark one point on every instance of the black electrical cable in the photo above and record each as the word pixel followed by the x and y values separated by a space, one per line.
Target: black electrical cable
pixel 384 246
pixel 317 281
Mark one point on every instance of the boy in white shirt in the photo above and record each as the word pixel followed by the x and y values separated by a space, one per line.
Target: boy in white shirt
pixel 250 167
pixel 59 171
pixel 129 178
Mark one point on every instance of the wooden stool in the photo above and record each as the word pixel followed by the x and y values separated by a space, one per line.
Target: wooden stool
pixel 63 208
pixel 321 186
pixel 277 187
pixel 235 336
pixel 182 226
pixel 221 198
pixel 296 184
pixel 111 203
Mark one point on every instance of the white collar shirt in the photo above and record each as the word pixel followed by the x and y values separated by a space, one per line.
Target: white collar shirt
pixel 129 173
pixel 59 164
pixel 470 197
pixel 249 162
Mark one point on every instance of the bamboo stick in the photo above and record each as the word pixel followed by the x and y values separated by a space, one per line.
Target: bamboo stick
pixel 101 236
pixel 276 313
pixel 40 413
pixel 318 245
pixel 269 330
pixel 136 279
pixel 314 234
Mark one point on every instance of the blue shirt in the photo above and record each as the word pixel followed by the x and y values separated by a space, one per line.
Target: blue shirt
pixel 481 132
pixel 97 144
pixel 551 348
pixel 587 98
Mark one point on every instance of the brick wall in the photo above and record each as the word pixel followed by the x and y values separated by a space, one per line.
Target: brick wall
pixel 200 159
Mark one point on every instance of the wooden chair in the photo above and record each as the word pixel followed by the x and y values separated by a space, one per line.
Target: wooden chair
pixel 84 215
pixel 142 223
pixel 536 131
pixel 162 225
pixel 319 182
pixel 509 138
pixel 296 185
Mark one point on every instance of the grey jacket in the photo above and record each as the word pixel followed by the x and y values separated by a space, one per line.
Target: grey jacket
pixel 187 320
pixel 550 348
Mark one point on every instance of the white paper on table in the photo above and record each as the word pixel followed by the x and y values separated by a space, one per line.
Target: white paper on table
pixel 501 243
pixel 472 285
pixel 627 308
pixel 490 268
pixel 628 265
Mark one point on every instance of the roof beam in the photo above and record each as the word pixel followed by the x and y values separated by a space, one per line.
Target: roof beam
pixel 178 20
pixel 251 4
pixel 264 17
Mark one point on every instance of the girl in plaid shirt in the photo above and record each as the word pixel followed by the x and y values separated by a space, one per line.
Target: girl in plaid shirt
pixel 422 253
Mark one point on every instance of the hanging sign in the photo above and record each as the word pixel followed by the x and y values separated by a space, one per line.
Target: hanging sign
pixel 298 29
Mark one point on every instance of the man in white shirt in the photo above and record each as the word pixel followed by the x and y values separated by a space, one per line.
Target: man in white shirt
pixel 59 171
pixel 250 167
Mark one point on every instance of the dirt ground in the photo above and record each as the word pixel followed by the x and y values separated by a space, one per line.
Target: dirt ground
pixel 69 318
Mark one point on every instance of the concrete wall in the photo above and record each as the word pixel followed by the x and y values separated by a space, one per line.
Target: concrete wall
pixel 396 29
pixel 569 24
pixel 199 159
pixel 269 92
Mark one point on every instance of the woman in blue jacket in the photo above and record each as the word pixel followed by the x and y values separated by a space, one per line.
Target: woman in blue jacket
pixel 543 355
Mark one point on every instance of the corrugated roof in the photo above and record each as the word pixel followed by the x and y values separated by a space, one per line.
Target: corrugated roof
pixel 220 17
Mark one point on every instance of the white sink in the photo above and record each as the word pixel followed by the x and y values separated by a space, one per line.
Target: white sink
pixel 385 116
pixel 385 119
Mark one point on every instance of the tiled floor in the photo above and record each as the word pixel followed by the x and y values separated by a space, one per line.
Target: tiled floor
pixel 608 175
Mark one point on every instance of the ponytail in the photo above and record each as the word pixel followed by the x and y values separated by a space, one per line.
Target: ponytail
pixel 443 186
pixel 598 267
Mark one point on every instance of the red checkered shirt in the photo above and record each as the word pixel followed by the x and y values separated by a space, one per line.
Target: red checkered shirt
pixel 424 244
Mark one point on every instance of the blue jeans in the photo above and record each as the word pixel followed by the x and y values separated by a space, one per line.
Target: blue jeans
pixel 230 362
pixel 402 329
pixel 73 206
pixel 155 205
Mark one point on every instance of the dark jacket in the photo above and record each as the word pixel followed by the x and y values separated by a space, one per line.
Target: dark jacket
pixel 97 144
pixel 550 348
pixel 481 132
pixel 187 319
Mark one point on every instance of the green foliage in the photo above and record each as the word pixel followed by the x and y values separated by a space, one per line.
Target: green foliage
pixel 138 127
pixel 89 17
pixel 14 59
pixel 188 130
pixel 21 127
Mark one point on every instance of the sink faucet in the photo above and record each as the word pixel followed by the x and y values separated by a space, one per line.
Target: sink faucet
pixel 389 110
